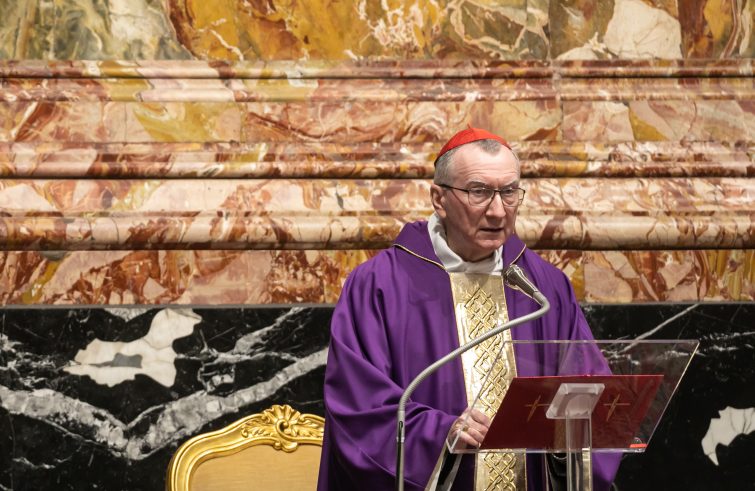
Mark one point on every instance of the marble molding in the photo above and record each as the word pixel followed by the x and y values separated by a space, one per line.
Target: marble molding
pixel 408 29
pixel 73 404
pixel 542 158
pixel 372 68
pixel 399 82
pixel 81 125
pixel 580 213
pixel 316 277
pixel 190 120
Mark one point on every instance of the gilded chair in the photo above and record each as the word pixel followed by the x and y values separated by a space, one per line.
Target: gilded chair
pixel 278 448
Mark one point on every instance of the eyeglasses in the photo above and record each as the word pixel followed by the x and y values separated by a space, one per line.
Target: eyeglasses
pixel 482 196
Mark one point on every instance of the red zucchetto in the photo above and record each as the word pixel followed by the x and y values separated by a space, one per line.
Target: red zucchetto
pixel 470 135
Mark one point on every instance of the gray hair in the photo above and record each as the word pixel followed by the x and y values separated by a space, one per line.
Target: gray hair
pixel 443 164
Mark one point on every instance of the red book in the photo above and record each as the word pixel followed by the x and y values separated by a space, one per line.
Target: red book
pixel 521 421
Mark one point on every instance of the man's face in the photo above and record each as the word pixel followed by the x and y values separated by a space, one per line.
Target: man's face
pixel 475 232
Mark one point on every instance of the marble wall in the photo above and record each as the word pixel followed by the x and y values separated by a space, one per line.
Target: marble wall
pixel 158 158
pixel 87 405
pixel 404 30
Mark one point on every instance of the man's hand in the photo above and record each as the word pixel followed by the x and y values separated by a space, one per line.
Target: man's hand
pixel 473 429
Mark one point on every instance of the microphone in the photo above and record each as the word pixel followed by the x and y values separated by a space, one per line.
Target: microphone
pixel 516 279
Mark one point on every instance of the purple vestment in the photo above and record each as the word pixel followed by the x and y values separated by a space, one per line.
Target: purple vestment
pixel 395 317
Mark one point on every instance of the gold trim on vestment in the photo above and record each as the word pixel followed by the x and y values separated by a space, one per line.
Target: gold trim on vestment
pixel 480 305
pixel 420 257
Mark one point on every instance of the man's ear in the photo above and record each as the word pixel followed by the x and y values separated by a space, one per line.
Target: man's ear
pixel 438 199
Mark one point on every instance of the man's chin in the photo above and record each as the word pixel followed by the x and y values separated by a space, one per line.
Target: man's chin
pixel 491 245
pixel 491 239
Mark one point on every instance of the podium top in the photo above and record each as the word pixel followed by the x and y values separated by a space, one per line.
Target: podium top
pixel 634 381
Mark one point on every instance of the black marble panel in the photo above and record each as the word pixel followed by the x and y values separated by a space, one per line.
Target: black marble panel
pixel 720 376
pixel 62 430
pixel 112 419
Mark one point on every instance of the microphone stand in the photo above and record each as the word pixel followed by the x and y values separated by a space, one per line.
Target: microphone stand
pixel 401 413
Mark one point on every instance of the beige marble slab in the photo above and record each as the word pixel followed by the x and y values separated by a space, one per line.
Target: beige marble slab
pixel 281 277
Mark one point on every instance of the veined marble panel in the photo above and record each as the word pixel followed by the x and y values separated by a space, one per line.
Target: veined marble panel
pixel 395 121
pixel 83 405
pixel 647 120
pixel 353 111
pixel 62 121
pixel 407 29
pixel 324 214
pixel 82 29
pixel 717 28
pixel 597 29
pixel 706 436
pixel 658 276
pixel 334 121
pixel 285 277
pixel 415 29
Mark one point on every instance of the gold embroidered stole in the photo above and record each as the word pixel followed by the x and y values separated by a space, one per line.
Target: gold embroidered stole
pixel 480 304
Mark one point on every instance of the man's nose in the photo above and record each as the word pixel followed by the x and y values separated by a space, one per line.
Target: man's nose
pixel 495 207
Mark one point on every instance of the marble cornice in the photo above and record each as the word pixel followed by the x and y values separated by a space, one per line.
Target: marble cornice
pixel 620 68
pixel 233 231
pixel 223 160
pixel 383 91
pixel 393 69
pixel 254 148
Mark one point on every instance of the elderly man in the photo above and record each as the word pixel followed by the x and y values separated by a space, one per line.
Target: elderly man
pixel 417 301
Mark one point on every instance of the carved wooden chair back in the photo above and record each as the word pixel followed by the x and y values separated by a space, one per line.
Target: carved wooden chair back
pixel 278 448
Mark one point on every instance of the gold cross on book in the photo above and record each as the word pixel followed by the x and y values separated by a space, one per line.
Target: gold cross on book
pixel 533 407
pixel 613 405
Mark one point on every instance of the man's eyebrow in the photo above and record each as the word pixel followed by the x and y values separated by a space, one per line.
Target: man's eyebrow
pixel 506 186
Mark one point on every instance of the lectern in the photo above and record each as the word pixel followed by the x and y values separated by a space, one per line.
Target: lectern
pixel 604 396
